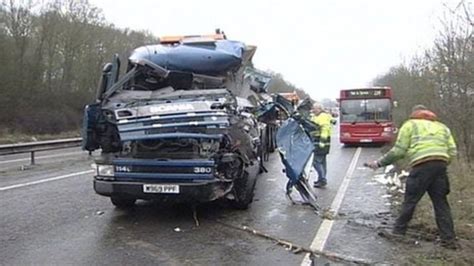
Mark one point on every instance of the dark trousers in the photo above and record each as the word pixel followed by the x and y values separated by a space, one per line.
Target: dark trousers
pixel 319 163
pixel 428 177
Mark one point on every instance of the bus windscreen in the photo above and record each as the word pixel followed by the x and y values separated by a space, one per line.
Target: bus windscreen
pixel 365 110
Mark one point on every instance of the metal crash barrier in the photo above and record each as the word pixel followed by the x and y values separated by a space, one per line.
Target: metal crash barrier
pixel 32 147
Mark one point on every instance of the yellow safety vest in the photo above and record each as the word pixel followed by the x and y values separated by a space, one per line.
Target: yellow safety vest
pixel 420 139
pixel 322 135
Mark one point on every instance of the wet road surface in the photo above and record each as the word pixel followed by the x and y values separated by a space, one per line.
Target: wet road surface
pixel 62 221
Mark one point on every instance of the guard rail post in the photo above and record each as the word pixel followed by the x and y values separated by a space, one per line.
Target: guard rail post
pixel 32 161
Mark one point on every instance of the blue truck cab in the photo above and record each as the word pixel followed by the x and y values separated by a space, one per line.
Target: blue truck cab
pixel 179 125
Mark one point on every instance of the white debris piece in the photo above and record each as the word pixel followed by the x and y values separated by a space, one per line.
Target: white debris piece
pixel 381 179
pixel 177 229
pixel 388 168
pixel 389 180
pixel 396 180
pixel 386 196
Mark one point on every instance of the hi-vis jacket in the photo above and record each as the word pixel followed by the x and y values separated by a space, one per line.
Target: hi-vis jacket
pixel 421 139
pixel 322 135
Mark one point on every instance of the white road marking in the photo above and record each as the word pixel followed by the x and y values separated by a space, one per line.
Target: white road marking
pixel 322 235
pixel 45 180
pixel 41 157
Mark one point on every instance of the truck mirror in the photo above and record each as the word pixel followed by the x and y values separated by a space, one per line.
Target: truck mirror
pixel 104 80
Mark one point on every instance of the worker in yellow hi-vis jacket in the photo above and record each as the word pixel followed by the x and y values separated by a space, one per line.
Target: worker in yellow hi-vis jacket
pixel 321 137
pixel 429 147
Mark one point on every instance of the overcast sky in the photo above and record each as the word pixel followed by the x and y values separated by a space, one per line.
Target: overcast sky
pixel 320 46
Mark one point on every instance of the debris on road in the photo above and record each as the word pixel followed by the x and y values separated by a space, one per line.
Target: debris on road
pixel 296 249
pixel 328 214
pixel 195 217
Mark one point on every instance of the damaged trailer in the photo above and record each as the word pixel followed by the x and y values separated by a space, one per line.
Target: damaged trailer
pixel 180 125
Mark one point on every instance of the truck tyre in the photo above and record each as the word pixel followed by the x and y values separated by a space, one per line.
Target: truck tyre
pixel 244 191
pixel 123 203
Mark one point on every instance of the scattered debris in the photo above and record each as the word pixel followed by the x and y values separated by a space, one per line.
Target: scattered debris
pixel 196 221
pixel 25 167
pixel 328 214
pixel 381 179
pixel 177 229
pixel 386 196
pixel 388 168
pixel 294 248
pixel 99 212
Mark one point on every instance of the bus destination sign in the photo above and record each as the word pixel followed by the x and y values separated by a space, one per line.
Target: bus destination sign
pixel 363 93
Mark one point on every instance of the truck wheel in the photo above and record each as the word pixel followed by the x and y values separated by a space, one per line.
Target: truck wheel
pixel 123 203
pixel 244 191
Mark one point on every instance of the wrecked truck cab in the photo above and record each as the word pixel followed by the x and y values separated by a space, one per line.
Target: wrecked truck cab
pixel 177 126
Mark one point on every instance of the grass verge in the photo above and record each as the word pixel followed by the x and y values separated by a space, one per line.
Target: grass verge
pixel 10 138
pixel 461 199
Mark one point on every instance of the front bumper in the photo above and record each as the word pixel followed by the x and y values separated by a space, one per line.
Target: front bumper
pixel 189 192
pixel 366 139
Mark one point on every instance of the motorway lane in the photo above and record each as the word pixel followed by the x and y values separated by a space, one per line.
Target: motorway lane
pixel 13 174
pixel 65 222
pixel 364 210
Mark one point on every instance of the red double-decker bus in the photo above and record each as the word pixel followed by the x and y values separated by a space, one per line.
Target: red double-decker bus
pixel 366 115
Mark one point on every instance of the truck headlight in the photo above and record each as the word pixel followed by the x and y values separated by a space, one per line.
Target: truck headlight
pixel 105 170
pixel 387 129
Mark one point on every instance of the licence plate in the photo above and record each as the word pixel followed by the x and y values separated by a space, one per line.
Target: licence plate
pixel 164 189
pixel 365 140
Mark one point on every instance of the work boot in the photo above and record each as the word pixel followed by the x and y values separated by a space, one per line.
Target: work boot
pixel 320 183
pixel 449 244
pixel 391 234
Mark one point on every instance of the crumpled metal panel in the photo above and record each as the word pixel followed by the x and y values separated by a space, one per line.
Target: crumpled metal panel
pixel 174 120
pixel 295 147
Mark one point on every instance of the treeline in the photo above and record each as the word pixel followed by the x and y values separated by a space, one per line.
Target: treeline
pixel 279 84
pixel 51 55
pixel 442 78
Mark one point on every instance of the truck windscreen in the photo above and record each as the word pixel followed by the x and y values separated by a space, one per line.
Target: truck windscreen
pixel 365 110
